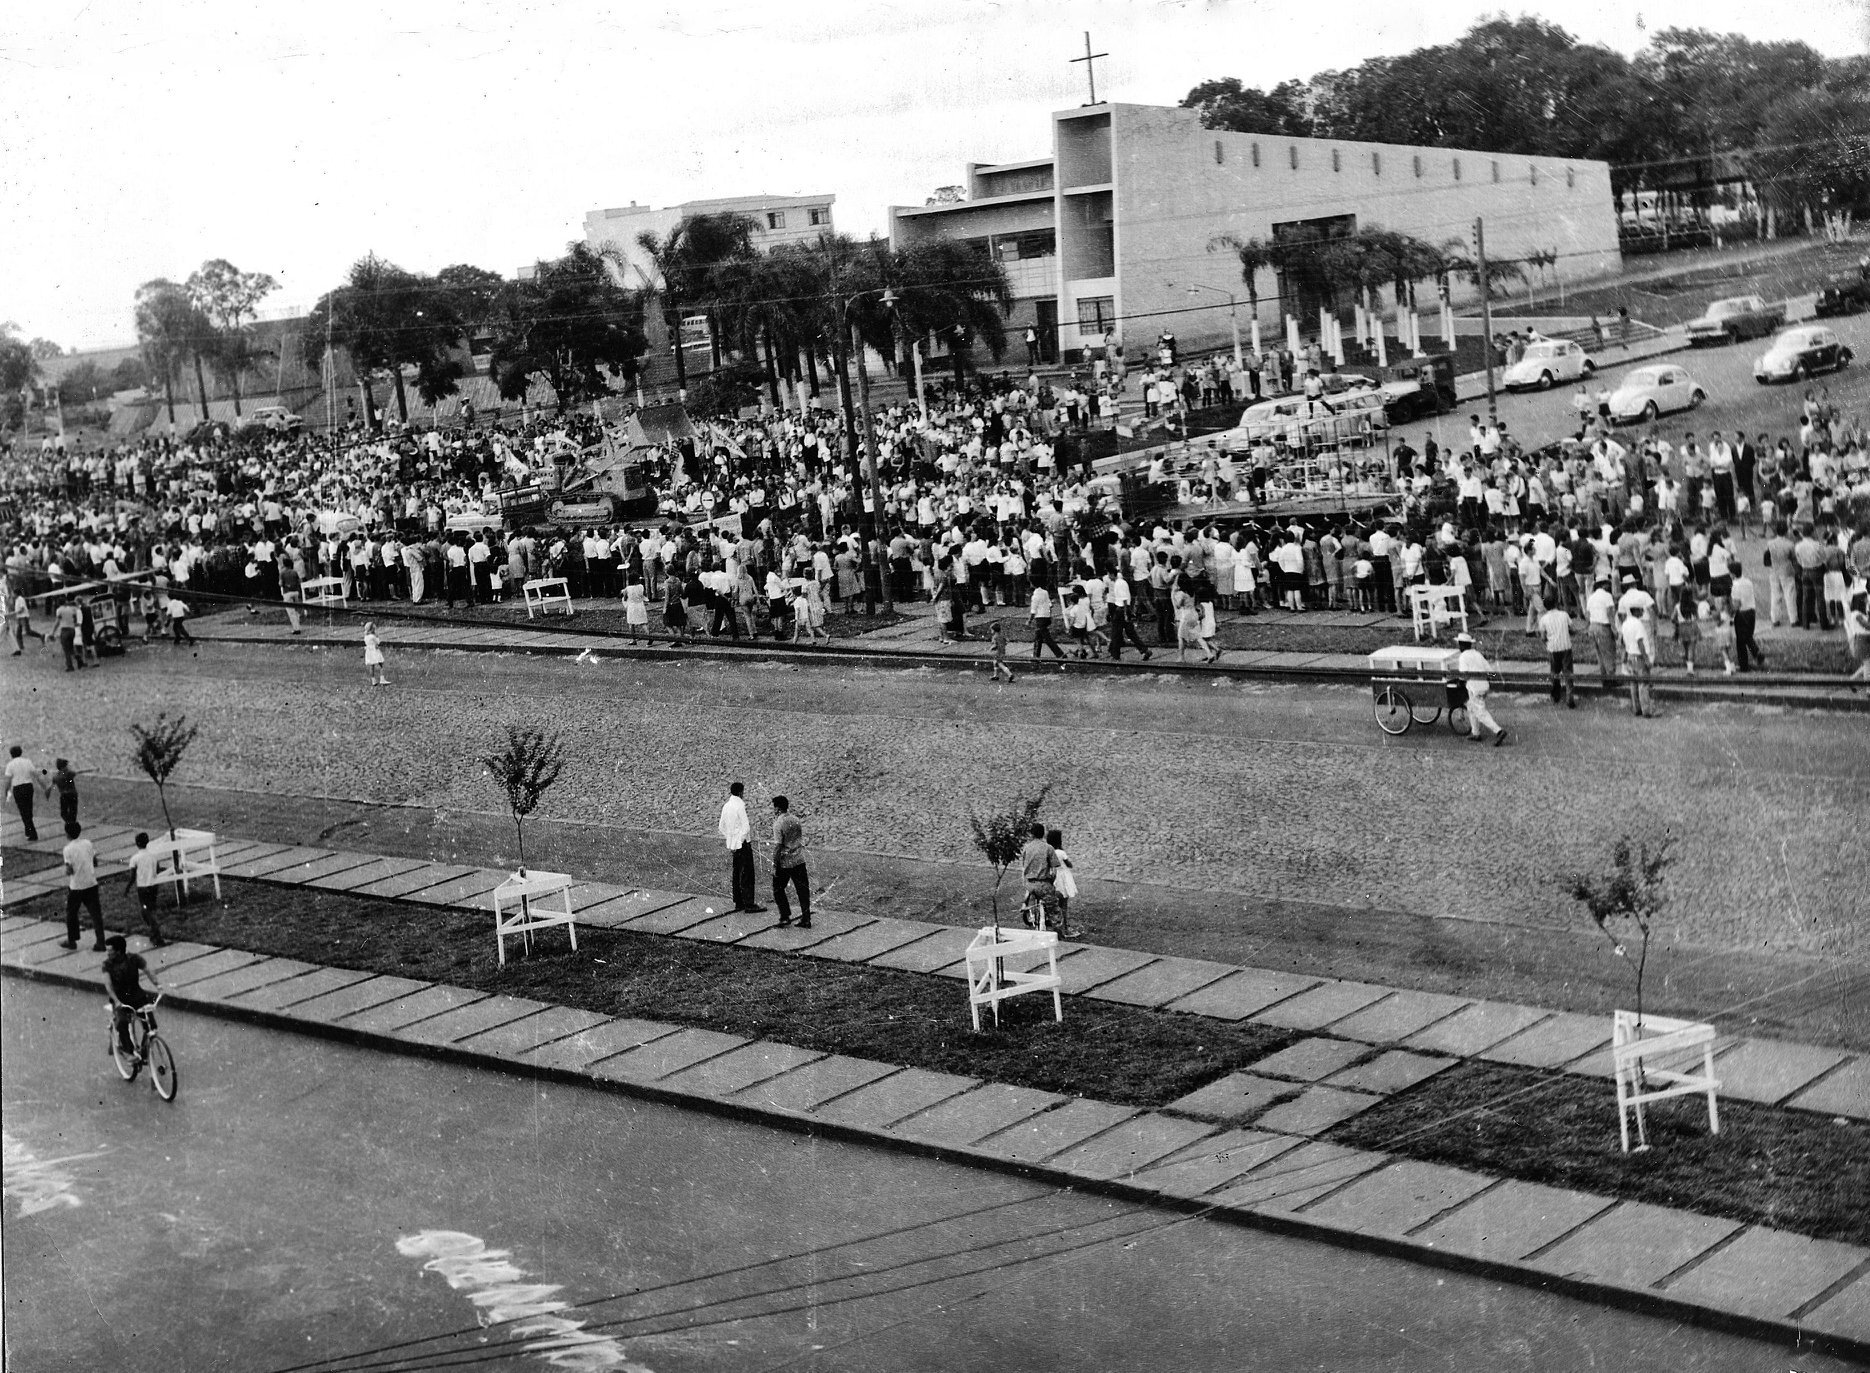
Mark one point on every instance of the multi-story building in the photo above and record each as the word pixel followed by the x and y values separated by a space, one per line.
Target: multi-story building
pixel 1115 228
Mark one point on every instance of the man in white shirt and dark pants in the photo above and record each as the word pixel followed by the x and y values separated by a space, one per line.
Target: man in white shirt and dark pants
pixel 737 831
pixel 1474 670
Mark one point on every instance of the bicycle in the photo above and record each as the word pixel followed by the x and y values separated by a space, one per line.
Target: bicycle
pixel 1037 913
pixel 146 1046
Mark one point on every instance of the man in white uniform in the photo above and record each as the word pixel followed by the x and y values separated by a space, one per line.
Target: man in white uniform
pixel 1473 667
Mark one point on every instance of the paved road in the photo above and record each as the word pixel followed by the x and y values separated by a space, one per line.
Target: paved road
pixel 282 1210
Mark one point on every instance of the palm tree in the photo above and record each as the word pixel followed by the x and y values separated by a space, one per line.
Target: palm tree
pixel 1256 255
pixel 949 287
pixel 689 262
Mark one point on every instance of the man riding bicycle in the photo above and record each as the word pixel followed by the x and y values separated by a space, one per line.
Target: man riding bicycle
pixel 123 972
pixel 1039 865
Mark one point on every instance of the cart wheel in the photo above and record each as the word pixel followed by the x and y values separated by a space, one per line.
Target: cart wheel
pixel 1391 708
pixel 1457 719
pixel 1421 719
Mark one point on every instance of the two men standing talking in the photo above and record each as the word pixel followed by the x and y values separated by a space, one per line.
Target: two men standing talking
pixel 788 857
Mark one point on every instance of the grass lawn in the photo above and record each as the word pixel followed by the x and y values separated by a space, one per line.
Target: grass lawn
pixel 1786 1169
pixel 1783 1168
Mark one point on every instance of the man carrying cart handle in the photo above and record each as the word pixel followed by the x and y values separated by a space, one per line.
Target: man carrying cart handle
pixel 1473 667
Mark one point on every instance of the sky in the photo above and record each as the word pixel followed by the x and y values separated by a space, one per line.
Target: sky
pixel 137 141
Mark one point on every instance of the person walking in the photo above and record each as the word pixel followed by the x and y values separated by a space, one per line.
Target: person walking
pixel 998 645
pixel 145 870
pixel 1117 602
pixel 737 832
pixel 292 590
pixel 65 782
pixel 1556 625
pixel 1639 659
pixel 22 779
pixel 1040 614
pixel 373 655
pixel 789 865
pixel 80 856
pixel 1474 670
pixel 65 622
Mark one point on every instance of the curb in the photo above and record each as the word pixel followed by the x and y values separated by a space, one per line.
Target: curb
pixel 605 645
pixel 1646 1302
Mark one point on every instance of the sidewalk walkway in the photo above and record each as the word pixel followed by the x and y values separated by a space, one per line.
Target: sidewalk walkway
pixel 1254 1156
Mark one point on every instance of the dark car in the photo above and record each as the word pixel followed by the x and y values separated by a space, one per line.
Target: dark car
pixel 1799 353
pixel 1420 386
pixel 1843 296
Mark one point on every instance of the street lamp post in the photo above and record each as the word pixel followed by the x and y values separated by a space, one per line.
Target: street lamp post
pixel 1233 315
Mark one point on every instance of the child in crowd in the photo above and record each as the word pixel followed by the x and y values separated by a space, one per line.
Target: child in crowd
pixel 1724 640
pixel 1688 613
pixel 1064 883
pixel 999 653
pixel 635 610
pixel 373 654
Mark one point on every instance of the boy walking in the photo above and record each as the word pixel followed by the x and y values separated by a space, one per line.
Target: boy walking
pixel 81 888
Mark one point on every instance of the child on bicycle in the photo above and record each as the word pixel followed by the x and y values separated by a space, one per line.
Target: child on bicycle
pixel 123 972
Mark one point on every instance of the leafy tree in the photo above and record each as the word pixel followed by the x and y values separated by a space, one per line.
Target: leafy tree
pixel 1633 890
pixel 691 262
pixel 947 195
pixel 1000 836
pixel 159 749
pixel 525 769
pixel 569 324
pixel 472 292
pixel 948 288
pixel 44 349
pixel 388 319
pixel 18 367
pixel 171 331
pixel 228 296
pixel 1226 104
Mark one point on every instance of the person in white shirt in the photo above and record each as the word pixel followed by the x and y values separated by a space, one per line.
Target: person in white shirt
pixel 1474 670
pixel 1556 625
pixel 1639 656
pixel 737 831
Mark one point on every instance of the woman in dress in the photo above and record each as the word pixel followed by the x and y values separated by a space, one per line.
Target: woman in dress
pixel 636 610
pixel 674 612
pixel 373 655
pixel 1204 600
pixel 812 613
pixel 1187 622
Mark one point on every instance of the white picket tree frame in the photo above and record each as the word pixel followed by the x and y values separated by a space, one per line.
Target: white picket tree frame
pixel 524 893
pixel 1635 1039
pixel 988 980
pixel 546 592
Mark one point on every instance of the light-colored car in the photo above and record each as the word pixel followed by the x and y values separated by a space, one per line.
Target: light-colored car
pixel 1798 353
pixel 1651 391
pixel 1737 317
pixel 1295 418
pixel 1548 362
pixel 274 417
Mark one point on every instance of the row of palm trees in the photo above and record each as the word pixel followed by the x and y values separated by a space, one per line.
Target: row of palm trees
pixel 802 305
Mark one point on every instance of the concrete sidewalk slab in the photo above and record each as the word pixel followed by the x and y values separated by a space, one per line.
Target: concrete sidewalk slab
pixel 585 895
pixel 1320 1006
pixel 1162 981
pixel 867 941
pixel 197 970
pixel 1846 1313
pixel 1233 1099
pixel 945 947
pixel 1634 1245
pixel 1475 1027
pixel 1039 1137
pixel 1770 1071
pixel 82 962
pixel 621 910
pixel 1090 966
pixel 304 874
pixel 40 952
pixel 353 997
pixel 238 855
pixel 973 1116
pixel 1395 1200
pixel 1135 1144
pixel 376 870
pixel 465 892
pixel 1512 1221
pixel 416 879
pixel 1242 994
pixel 249 977
pixel 1213 1162
pixel 1295 1178
pixel 176 953
pixel 285 992
pixel 1553 1042
pixel 826 926
pixel 396 1016
pixel 666 1054
pixel 887 1100
pixel 521 1036
pixel 731 927
pixel 583 1047
pixel 280 861
pixel 672 920
pixel 1316 1109
pixel 1396 1070
pixel 1767 1273
pixel 741 1068
pixel 811 1084
pixel 1399 1016
pixel 1311 1060
pixel 33 932
pixel 489 1013
pixel 1844 1092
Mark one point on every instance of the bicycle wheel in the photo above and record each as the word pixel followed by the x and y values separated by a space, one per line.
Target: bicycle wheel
pixel 1457 719
pixel 1391 708
pixel 128 1062
pixel 163 1075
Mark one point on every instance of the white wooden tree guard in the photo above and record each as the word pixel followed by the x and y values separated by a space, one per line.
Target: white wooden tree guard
pixel 1431 607
pixel 988 980
pixel 1633 1041
pixel 544 592
pixel 325 591
pixel 524 894
pixel 191 856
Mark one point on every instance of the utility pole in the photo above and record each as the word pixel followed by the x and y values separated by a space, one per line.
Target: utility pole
pixel 1486 318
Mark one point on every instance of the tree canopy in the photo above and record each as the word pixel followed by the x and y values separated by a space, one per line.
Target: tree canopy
pixel 569 324
pixel 387 319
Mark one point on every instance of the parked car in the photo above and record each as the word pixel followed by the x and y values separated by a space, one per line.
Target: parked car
pixel 1798 353
pixel 1418 387
pixel 1843 296
pixel 1547 362
pixel 274 417
pixel 1651 391
pixel 1736 318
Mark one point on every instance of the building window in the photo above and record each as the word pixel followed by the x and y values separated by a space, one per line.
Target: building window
pixel 1532 170
pixel 1256 154
pixel 1292 155
pixel 775 219
pixel 1418 164
pixel 819 218
pixel 1457 169
pixel 1335 165
pixel 1571 178
pixel 1496 171
pixel 1218 159
pixel 1376 164
pixel 1096 314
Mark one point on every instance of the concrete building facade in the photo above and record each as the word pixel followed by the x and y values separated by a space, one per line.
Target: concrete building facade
pixel 1114 228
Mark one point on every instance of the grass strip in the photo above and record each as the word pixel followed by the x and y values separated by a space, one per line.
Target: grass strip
pixel 1786 1169
pixel 1114 1053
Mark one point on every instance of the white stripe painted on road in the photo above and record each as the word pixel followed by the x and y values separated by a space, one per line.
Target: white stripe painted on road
pixel 40 1184
pixel 499 1288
